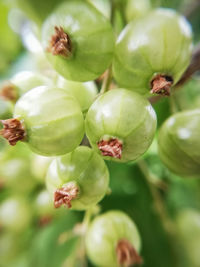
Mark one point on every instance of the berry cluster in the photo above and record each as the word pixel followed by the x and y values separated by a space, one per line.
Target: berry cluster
pixel 65 116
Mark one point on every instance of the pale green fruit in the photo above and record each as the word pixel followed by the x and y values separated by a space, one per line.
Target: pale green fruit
pixel 82 174
pixel 15 214
pixel 120 125
pixel 156 46
pixel 84 93
pixel 104 235
pixel 179 143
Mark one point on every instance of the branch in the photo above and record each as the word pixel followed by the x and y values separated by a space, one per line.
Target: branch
pixel 191 8
pixel 193 67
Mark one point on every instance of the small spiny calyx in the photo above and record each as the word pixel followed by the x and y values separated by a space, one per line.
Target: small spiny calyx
pixel 112 148
pixel 60 43
pixel 65 194
pixel 13 131
pixel 126 254
pixel 161 84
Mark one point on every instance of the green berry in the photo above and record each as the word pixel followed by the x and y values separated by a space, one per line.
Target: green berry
pixel 15 169
pixel 79 41
pixel 152 53
pixel 188 232
pixel 37 10
pixel 121 125
pixel 136 9
pixel 43 204
pixel 104 6
pixel 79 179
pixel 23 82
pixel 39 167
pixel 179 144
pixel 84 93
pixel 15 214
pixel 48 119
pixel 113 240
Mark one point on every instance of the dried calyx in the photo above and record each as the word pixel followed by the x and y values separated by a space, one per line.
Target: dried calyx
pixel 111 148
pixel 161 84
pixel 60 43
pixel 13 131
pixel 9 92
pixel 45 220
pixel 65 194
pixel 126 254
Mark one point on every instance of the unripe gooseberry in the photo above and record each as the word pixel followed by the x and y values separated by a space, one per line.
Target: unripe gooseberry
pixel 84 93
pixel 179 143
pixel 78 180
pixel 20 83
pixel 15 214
pixel 153 52
pixel 187 223
pixel 43 204
pixel 121 125
pixel 37 10
pixel 48 119
pixel 136 9
pixel 113 240
pixel 15 169
pixel 79 41
pixel 39 167
pixel 104 6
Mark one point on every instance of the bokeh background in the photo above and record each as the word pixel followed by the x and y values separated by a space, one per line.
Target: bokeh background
pixel 165 207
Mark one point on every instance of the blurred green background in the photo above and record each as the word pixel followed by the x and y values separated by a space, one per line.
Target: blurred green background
pixel 165 207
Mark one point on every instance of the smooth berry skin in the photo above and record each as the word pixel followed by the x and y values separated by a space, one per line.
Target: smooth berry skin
pixel 37 10
pixel 85 167
pixel 92 41
pixel 43 204
pixel 188 233
pixel 136 9
pixel 159 43
pixel 27 80
pixel 104 6
pixel 179 144
pixel 39 167
pixel 84 93
pixel 15 169
pixel 52 119
pixel 105 232
pixel 15 214
pixel 126 116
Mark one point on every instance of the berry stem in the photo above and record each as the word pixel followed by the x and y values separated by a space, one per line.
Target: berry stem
pixel 79 255
pixel 13 131
pixel 158 201
pixel 107 81
pixel 65 194
pixel 174 103
pixel 192 68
